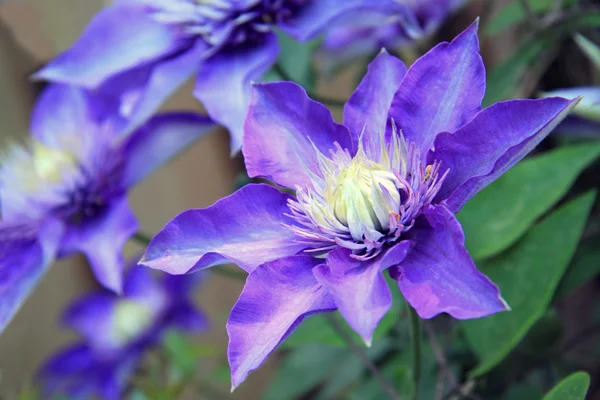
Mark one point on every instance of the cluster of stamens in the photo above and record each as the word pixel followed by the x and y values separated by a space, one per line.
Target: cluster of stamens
pixel 364 202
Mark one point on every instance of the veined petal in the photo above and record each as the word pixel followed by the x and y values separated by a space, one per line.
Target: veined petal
pixel 120 37
pixel 369 105
pixel 101 238
pixel 223 84
pixel 316 16
pixel 25 255
pixel 441 91
pixel 159 140
pixel 358 288
pixel 438 274
pixel 245 228
pixel 278 295
pixel 494 141
pixel 282 129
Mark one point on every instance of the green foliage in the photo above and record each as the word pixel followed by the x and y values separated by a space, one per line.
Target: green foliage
pixel 591 50
pixel 584 267
pixel 514 14
pixel 573 387
pixel 502 212
pixel 528 275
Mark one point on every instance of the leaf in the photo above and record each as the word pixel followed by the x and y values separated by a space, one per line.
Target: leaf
pixel 514 13
pixel 316 329
pixel 296 60
pixel 573 387
pixel 181 352
pixel 591 50
pixel 528 275
pixel 502 212
pixel 584 267
pixel 302 370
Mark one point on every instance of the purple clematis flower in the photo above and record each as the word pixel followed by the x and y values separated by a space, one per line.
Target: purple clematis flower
pixel 117 331
pixel 148 48
pixel 584 121
pixel 379 192
pixel 67 190
pixel 416 20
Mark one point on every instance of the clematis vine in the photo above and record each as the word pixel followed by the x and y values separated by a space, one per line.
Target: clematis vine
pixel 377 193
pixel 66 190
pixel 416 20
pixel 148 48
pixel 117 331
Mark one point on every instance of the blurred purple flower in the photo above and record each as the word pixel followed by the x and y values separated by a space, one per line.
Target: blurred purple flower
pixel 75 172
pixel 117 331
pixel 146 49
pixel 379 192
pixel 366 35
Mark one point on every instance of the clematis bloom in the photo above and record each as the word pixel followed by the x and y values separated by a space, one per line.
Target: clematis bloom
pixel 415 20
pixel 66 191
pixel 377 193
pixel 149 48
pixel 117 331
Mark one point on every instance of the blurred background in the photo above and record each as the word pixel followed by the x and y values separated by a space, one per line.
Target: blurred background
pixel 34 31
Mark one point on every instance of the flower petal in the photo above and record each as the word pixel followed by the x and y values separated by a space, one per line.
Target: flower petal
pixel 438 274
pixel 62 110
pixel 492 143
pixel 370 103
pixel 282 129
pixel 358 288
pixel 143 90
pixel 25 256
pixel 278 295
pixel 246 228
pixel 101 238
pixel 159 140
pixel 93 318
pixel 187 318
pixel 223 84
pixel 120 37
pixel 315 16
pixel 441 91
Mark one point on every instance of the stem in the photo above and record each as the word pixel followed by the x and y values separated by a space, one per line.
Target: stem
pixel 415 337
pixel 325 100
pixel 145 240
pixel 364 358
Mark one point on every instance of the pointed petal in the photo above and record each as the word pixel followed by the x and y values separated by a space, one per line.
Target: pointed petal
pixel 282 129
pixel 441 91
pixel 101 238
pixel 187 318
pixel 159 140
pixel 370 103
pixel 492 143
pixel 246 228
pixel 278 295
pixel 316 16
pixel 358 288
pixel 223 84
pixel 438 274
pixel 25 256
pixel 93 318
pixel 120 37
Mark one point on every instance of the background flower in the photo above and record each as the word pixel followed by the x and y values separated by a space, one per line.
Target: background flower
pixel 117 331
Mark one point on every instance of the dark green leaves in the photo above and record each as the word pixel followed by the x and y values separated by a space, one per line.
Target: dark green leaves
pixel 528 275
pixel 573 387
pixel 501 213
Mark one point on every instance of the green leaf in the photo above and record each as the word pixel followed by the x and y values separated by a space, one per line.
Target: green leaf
pixel 316 329
pixel 296 60
pixel 528 275
pixel 584 267
pixel 303 369
pixel 591 50
pixel 514 13
pixel 573 387
pixel 501 213
pixel 182 354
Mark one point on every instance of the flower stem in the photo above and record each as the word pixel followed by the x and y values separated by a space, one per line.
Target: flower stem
pixel 364 358
pixel 415 336
pixel 145 239
pixel 325 100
